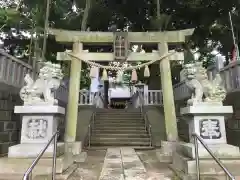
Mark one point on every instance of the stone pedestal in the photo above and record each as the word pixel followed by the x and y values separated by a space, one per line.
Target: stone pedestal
pixel 39 123
pixel 207 121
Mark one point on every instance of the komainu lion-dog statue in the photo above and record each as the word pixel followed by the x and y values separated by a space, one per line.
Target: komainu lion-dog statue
pixel 42 90
pixel 202 89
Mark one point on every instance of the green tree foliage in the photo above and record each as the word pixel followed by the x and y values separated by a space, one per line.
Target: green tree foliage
pixel 208 17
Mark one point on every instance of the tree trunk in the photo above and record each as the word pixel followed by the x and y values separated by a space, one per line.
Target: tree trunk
pixel 85 15
pixel 46 24
pixel 158 9
pixel 159 12
pixel 36 56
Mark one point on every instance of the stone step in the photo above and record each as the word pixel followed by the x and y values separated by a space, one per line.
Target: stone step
pixel 115 120
pixel 44 166
pixel 119 128
pixel 63 176
pixel 133 110
pixel 134 147
pixel 119 121
pixel 118 140
pixel 119 117
pixel 119 136
pixel 119 113
pixel 122 138
pixel 113 125
pixel 119 131
pixel 181 175
pixel 207 166
pixel 20 176
pixel 120 144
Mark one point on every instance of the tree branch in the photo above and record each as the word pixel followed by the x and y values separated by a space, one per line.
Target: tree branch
pixel 46 24
pixel 2 27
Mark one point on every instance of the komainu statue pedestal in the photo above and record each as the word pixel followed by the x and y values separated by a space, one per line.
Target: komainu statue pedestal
pixel 39 123
pixel 207 121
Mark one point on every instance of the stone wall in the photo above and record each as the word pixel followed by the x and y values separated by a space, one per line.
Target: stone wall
pixel 233 121
pixel 84 117
pixel 62 122
pixel 10 124
pixel 156 119
pixel 181 122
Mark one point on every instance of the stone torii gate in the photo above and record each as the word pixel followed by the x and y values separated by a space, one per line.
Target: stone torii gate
pixel 80 37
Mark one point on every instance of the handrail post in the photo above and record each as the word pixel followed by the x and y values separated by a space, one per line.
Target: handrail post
pixel 145 123
pixel 148 127
pixel 54 158
pixel 89 135
pixel 198 138
pixel 90 127
pixel 197 157
pixel 28 173
pixel 150 134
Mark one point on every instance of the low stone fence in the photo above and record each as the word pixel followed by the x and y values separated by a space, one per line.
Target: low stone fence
pixel 13 70
pixel 10 123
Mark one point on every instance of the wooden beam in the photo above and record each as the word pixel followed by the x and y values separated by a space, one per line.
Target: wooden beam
pixel 107 37
pixel 109 56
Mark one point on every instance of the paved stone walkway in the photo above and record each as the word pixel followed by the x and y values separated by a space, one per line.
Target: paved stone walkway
pixel 121 164
pixel 91 168
pixel 155 169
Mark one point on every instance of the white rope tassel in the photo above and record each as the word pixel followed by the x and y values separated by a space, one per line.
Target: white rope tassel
pixel 93 71
pixel 146 72
pixel 104 75
pixel 134 75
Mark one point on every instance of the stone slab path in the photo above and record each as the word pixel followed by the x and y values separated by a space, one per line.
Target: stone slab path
pixel 122 164
pixel 112 167
pixel 91 168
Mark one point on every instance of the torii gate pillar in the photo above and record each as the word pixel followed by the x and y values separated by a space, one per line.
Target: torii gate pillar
pixel 167 93
pixel 73 95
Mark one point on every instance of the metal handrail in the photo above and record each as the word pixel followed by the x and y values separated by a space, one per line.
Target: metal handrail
pixel 148 126
pixel 198 138
pixel 91 123
pixel 28 173
pixel 90 126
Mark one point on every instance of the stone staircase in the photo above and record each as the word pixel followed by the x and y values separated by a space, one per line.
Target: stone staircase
pixel 119 127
